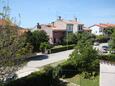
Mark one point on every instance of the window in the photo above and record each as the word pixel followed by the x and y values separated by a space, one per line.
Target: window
pixel 80 27
pixel 100 30
pixel 69 27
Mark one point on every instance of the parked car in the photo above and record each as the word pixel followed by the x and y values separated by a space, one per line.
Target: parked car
pixel 104 49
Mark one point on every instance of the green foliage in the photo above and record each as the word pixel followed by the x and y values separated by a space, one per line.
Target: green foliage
pixel 109 31
pixel 78 79
pixel 85 37
pixel 112 42
pixel 44 46
pixel 13 50
pixel 70 38
pixel 102 38
pixel 84 57
pixel 41 78
pixel 110 57
pixel 36 38
pixel 63 48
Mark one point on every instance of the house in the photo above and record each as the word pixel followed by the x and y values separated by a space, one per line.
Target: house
pixel 57 29
pixel 99 29
pixel 86 29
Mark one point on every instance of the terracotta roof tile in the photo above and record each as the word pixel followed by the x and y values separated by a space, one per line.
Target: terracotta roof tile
pixel 105 25
pixel 71 22
pixel 2 22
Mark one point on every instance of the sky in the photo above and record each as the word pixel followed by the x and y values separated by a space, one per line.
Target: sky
pixel 89 12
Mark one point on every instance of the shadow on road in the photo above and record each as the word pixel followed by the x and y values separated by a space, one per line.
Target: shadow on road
pixel 38 57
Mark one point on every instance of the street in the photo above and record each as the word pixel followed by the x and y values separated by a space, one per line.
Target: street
pixel 41 60
pixel 99 48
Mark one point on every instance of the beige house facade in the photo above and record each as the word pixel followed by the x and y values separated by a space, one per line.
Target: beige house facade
pixel 57 29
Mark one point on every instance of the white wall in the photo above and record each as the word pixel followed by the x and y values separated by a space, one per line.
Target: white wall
pixel 75 28
pixel 49 33
pixel 107 73
pixel 95 30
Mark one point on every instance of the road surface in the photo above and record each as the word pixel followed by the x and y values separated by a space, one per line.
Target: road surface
pixel 41 60
pixel 107 73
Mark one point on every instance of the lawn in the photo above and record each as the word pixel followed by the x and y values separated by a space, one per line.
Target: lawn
pixel 79 80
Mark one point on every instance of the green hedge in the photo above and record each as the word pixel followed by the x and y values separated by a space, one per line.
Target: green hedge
pixel 41 78
pixel 63 48
pixel 108 57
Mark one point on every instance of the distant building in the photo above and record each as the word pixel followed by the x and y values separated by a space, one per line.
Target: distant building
pixel 86 29
pixel 99 29
pixel 57 29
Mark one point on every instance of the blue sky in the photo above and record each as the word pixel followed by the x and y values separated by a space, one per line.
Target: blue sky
pixel 44 11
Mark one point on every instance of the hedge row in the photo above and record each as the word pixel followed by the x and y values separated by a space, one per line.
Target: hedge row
pixel 40 78
pixel 108 57
pixel 49 76
pixel 63 48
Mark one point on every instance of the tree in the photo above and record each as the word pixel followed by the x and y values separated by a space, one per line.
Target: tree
pixel 102 38
pixel 13 51
pixel 70 38
pixel 109 30
pixel 112 42
pixel 85 58
pixel 44 46
pixel 13 47
pixel 36 38
pixel 83 37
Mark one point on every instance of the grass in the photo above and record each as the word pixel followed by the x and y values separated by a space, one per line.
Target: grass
pixel 79 80
pixel 58 46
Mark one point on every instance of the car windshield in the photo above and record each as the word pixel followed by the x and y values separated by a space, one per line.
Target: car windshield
pixel 105 47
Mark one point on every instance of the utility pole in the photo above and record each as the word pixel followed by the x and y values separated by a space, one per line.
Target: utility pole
pixel 67 36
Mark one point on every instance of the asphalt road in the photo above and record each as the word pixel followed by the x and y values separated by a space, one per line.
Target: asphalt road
pixel 41 60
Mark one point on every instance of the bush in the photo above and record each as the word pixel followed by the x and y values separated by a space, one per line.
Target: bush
pixel 36 38
pixel 108 57
pixel 70 38
pixel 44 46
pixel 67 70
pixel 102 38
pixel 42 78
pixel 63 48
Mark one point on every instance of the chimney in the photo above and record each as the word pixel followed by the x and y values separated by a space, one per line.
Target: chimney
pixel 38 26
pixel 59 18
pixel 75 19
pixel 53 24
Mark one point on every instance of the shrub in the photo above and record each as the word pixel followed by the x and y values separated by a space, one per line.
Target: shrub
pixel 40 78
pixel 102 38
pixel 108 57
pixel 44 46
pixel 70 38
pixel 63 48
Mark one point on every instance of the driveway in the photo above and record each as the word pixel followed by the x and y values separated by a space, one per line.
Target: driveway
pixel 41 60
pixel 99 47
pixel 107 73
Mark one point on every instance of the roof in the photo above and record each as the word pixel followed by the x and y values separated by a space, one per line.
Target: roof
pixel 6 22
pixel 104 25
pixel 20 29
pixel 71 22
pixel 54 28
pixel 2 22
pixel 59 24
pixel 86 29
